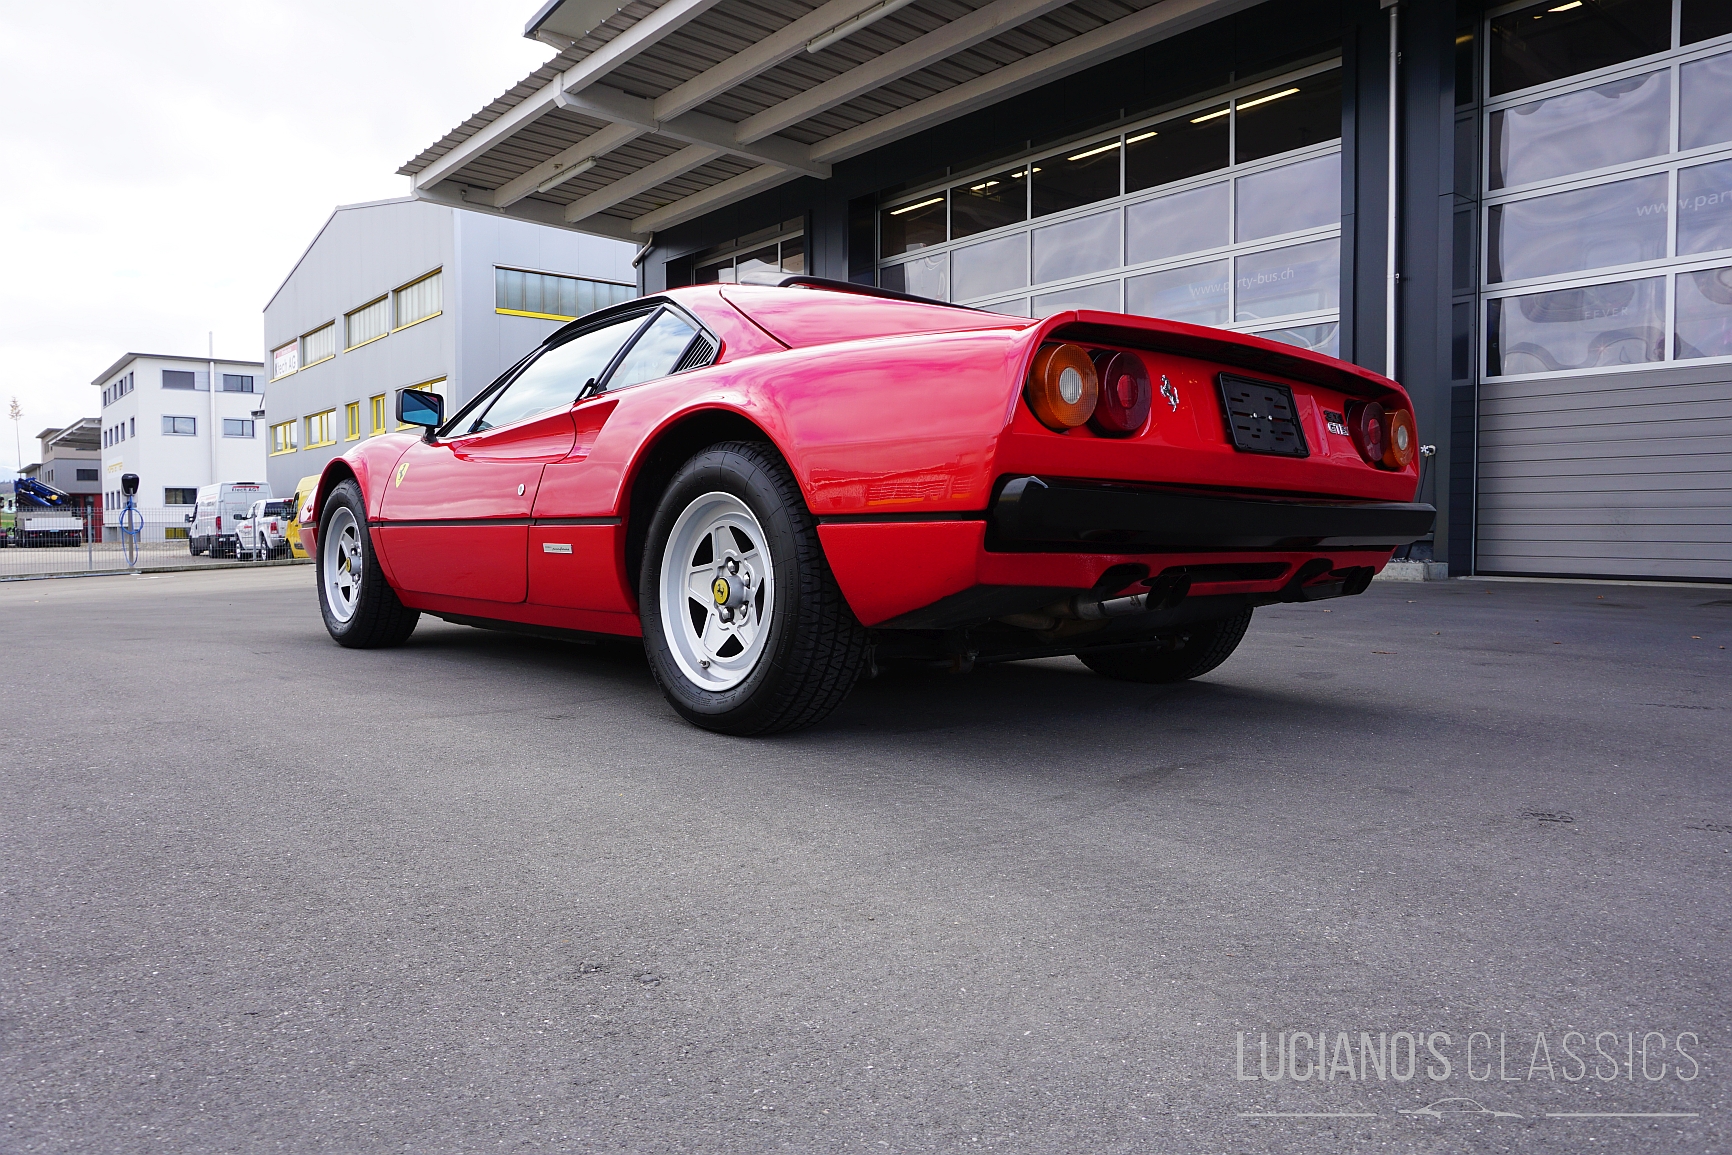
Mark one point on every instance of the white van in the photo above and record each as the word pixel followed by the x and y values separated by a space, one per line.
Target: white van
pixel 220 507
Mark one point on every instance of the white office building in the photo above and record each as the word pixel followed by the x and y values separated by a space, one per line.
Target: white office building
pixel 402 293
pixel 179 423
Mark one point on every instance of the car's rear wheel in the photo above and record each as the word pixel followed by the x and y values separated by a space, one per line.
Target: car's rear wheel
pixel 360 608
pixel 1188 654
pixel 744 626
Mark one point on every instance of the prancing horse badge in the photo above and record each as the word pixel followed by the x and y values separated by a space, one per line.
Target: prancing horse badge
pixel 1170 393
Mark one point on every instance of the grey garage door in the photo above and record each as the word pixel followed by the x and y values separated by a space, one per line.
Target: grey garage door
pixel 1625 475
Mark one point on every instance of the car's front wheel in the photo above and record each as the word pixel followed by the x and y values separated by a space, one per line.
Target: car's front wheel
pixel 1190 654
pixel 360 608
pixel 743 623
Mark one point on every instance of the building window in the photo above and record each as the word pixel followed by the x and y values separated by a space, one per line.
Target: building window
pixel 117 390
pixel 283 437
pixel 763 259
pixel 368 323
pixel 518 293
pixel 179 379
pixel 352 421
pixel 437 385
pixel 1606 227
pixel 176 532
pixel 180 426
pixel 285 359
pixel 319 345
pixel 180 495
pixel 322 429
pixel 1224 213
pixel 376 408
pixel 418 300
pixel 88 475
pixel 131 423
pixel 237 383
pixel 237 427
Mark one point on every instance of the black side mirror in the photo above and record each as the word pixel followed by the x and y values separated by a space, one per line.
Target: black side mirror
pixel 417 407
pixel 129 484
pixel 189 518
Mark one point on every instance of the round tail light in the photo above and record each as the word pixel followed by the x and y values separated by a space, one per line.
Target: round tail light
pixel 1365 423
pixel 1126 394
pixel 1402 440
pixel 1062 387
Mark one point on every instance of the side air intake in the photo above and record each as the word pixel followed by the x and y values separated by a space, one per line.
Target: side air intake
pixel 699 354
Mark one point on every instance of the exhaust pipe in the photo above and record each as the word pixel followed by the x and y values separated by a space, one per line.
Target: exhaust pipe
pixel 1164 593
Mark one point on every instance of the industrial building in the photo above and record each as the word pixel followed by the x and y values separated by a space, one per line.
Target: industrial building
pixel 71 462
pixel 402 293
pixel 1522 211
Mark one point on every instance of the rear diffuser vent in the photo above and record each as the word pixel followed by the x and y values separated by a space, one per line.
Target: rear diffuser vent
pixel 1261 417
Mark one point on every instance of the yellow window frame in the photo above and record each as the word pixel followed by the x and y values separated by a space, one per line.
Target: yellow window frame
pixel 397 298
pixel 321 429
pixel 283 438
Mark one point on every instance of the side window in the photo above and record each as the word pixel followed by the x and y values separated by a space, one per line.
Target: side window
pixel 656 352
pixel 554 379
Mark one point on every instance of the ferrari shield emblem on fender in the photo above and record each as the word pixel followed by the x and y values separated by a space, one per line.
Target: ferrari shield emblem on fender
pixel 401 470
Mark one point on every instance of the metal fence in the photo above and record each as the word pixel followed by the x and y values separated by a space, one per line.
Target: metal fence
pixel 43 542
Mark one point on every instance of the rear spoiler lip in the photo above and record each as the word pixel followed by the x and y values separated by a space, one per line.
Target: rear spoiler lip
pixel 1238 350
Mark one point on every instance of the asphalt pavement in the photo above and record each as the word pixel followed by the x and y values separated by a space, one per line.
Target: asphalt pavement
pixel 1443 867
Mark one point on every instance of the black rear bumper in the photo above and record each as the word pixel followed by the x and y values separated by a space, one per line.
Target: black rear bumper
pixel 1036 512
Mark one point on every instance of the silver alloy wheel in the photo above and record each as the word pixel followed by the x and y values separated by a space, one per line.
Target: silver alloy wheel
pixel 718 589
pixel 340 563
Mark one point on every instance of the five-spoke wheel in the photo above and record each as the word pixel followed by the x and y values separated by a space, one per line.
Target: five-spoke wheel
pixel 340 563
pixel 743 624
pixel 718 590
pixel 360 608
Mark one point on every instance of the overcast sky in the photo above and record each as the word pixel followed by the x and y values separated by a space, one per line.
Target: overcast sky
pixel 165 163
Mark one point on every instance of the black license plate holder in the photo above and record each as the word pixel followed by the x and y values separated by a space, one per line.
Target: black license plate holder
pixel 1262 417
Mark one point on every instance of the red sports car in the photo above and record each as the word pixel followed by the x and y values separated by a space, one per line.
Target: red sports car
pixel 779 488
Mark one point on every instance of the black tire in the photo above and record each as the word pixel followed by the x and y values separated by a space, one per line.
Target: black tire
pixel 1202 647
pixel 814 649
pixel 379 619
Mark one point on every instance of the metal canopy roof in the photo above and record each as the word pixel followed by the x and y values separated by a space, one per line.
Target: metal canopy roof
pixel 655 113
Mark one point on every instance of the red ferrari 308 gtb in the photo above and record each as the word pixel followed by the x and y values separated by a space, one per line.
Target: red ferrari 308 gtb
pixel 778 488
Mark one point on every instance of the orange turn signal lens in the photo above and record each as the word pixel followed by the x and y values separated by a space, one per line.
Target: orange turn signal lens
pixel 1400 440
pixel 1062 386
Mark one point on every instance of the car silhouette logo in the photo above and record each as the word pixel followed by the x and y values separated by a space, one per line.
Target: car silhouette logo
pixel 1458 1106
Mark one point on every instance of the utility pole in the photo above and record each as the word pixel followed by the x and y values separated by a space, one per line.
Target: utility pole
pixel 215 431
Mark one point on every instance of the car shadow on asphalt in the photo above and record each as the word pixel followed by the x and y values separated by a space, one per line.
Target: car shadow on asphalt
pixel 1058 696
pixel 1061 694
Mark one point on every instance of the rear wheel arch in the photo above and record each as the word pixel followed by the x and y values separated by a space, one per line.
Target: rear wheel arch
pixel 658 461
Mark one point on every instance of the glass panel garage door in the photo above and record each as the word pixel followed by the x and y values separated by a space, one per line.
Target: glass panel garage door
pixel 1226 213
pixel 1605 432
